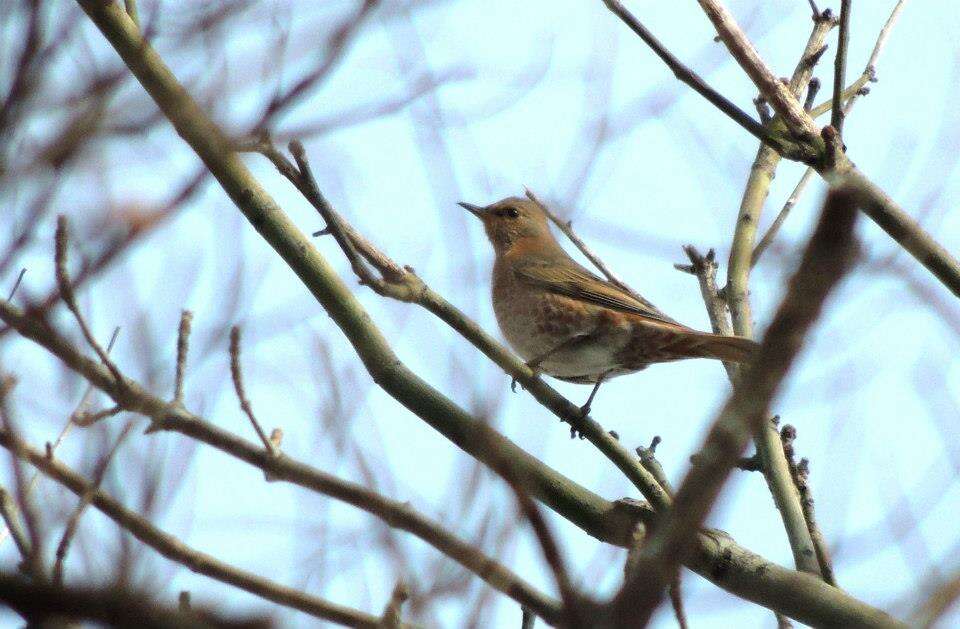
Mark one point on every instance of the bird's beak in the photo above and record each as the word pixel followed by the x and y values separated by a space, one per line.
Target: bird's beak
pixel 476 210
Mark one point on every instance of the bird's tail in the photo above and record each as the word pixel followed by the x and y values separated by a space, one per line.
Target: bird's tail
pixel 733 349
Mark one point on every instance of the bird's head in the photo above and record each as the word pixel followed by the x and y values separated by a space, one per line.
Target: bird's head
pixel 513 221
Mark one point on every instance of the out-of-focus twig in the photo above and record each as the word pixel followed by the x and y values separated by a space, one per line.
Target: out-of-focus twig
pixel 237 375
pixel 826 259
pixel 73 521
pixel 167 416
pixel 183 345
pixel 691 78
pixel 66 292
pixel 41 602
pixel 175 550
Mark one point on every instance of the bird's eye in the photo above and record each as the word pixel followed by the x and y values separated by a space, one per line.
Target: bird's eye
pixel 512 212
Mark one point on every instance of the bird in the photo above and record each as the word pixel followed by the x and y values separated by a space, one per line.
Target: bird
pixel 569 323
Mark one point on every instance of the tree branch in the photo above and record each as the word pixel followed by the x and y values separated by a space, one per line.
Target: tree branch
pixel 175 550
pixel 826 260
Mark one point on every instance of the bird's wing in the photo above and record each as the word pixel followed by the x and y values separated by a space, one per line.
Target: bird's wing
pixel 578 283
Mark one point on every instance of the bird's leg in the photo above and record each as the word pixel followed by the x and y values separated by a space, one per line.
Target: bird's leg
pixel 585 409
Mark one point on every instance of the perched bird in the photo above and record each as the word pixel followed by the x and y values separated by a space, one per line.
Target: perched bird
pixel 569 323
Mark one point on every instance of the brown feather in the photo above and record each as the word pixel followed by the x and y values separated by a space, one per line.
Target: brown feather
pixel 572 280
pixel 734 349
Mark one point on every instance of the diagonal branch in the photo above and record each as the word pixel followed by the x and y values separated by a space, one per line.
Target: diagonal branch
pixel 691 78
pixel 827 258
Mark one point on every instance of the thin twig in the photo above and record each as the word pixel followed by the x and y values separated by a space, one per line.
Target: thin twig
pixel 780 96
pixel 871 68
pixel 572 608
pixel 74 520
pixel 691 78
pixel 391 617
pixel 85 420
pixel 649 460
pixel 183 344
pixel 11 517
pixel 869 74
pixel 567 228
pixel 78 411
pixel 245 406
pixel 704 268
pixel 840 66
pixel 800 472
pixel 32 563
pixel 66 292
pixel 781 216
pixel 16 283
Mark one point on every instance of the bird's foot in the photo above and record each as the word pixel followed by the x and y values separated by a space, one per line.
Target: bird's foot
pixel 574 433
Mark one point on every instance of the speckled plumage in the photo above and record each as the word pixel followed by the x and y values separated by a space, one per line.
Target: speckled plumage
pixel 571 324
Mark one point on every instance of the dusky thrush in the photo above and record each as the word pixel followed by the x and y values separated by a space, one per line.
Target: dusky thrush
pixel 571 324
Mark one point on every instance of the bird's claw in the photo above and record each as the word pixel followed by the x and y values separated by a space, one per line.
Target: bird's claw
pixel 534 366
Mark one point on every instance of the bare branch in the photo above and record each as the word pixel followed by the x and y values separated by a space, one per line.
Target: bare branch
pixel 183 344
pixel 245 406
pixel 175 550
pixel 11 517
pixel 691 78
pixel 16 283
pixel 840 66
pixel 827 258
pixel 567 228
pixel 66 292
pixel 774 228
pixel 800 472
pixel 780 96
pixel 74 520
pixel 606 519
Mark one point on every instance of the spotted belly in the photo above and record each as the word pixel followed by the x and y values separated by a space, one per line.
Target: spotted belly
pixel 536 325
